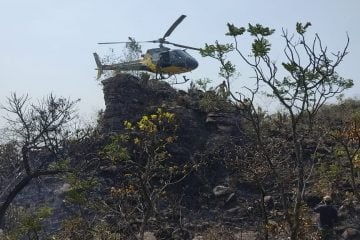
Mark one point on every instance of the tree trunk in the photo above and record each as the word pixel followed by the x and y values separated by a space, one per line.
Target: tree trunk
pixel 352 171
pixel 19 187
pixel 11 196
pixel 264 213
pixel 300 186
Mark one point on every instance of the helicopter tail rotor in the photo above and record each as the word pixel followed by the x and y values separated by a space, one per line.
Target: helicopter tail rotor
pixel 99 65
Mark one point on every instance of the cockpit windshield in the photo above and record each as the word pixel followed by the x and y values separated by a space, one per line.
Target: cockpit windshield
pixel 179 54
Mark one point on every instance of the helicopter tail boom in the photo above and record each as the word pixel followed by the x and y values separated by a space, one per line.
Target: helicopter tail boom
pixel 136 65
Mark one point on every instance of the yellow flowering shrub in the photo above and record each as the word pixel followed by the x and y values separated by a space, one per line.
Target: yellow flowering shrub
pixel 147 167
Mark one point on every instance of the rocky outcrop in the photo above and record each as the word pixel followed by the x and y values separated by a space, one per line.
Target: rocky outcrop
pixel 225 122
pixel 200 132
pixel 127 98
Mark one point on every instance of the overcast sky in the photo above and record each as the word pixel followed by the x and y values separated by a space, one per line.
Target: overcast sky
pixel 46 46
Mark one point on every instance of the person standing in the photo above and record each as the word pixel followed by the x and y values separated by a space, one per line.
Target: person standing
pixel 328 217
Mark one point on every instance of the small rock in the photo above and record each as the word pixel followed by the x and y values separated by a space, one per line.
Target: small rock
pixel 221 190
pixel 109 169
pixel 225 128
pixel 230 198
pixel 149 236
pixel 269 202
pixel 351 234
pixel 198 238
pixel 63 189
pixel 233 210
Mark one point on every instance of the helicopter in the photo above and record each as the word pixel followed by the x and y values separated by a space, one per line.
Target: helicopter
pixel 161 61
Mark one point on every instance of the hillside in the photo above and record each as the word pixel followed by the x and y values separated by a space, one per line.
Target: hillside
pixel 169 164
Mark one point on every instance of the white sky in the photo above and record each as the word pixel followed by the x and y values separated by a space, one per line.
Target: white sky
pixel 46 46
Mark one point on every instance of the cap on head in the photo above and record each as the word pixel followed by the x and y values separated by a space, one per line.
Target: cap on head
pixel 327 199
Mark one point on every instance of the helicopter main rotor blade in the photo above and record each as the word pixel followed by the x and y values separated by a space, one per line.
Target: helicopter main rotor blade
pixel 152 41
pixel 182 46
pixel 111 42
pixel 171 29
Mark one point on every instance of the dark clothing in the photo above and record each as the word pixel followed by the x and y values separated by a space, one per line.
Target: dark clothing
pixel 328 216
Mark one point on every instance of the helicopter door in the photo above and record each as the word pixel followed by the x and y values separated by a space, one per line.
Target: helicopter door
pixel 164 59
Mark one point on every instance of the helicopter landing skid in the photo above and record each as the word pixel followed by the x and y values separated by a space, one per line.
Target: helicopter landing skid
pixel 175 81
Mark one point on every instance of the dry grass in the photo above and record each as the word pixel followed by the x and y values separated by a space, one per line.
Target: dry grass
pixel 227 233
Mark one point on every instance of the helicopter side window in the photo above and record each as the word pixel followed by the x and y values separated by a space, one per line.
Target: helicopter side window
pixel 165 59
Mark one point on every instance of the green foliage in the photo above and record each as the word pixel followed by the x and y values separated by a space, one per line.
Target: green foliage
pixel 203 84
pixel 260 47
pixel 291 67
pixel 313 79
pixel 104 231
pixel 310 80
pixel 147 138
pixel 356 162
pixel 79 189
pixel 302 29
pixel 235 31
pixel 212 102
pixel 63 165
pixel 307 230
pixel 328 175
pixel 116 151
pixel 148 168
pixel 74 228
pixel 29 223
pixel 255 30
pixel 347 137
pixel 259 30
pixel 227 70
pixel 132 50
pixel 212 99
pixel 218 51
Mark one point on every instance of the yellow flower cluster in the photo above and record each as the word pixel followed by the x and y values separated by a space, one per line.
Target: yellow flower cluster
pixel 152 124
pixel 165 116
pixel 356 161
pixel 128 190
pixel 169 139
pixel 145 124
pixel 128 125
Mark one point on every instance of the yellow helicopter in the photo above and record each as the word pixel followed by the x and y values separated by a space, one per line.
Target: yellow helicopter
pixel 161 60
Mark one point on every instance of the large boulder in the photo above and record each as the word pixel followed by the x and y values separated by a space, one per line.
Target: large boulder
pixel 128 98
